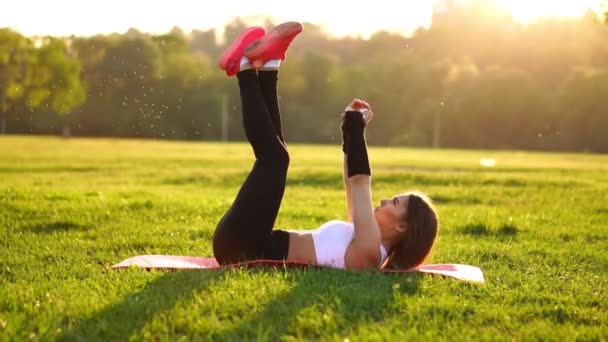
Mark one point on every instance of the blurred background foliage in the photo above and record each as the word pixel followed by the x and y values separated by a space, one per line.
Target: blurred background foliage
pixel 473 79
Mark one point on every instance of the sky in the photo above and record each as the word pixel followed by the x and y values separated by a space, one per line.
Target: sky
pixel 338 18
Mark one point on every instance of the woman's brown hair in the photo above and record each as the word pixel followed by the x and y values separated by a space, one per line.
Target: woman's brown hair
pixel 422 226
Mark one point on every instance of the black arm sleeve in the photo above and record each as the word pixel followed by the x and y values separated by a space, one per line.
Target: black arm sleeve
pixel 353 136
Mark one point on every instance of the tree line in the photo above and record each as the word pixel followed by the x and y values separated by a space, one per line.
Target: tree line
pixel 468 81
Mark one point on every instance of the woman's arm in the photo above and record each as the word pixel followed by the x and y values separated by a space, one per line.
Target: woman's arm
pixel 349 200
pixel 364 251
pixel 355 105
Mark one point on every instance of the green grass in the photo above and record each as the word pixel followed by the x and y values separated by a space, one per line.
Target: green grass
pixel 536 223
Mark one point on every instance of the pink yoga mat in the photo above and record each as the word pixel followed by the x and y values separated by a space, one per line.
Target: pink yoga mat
pixel 172 262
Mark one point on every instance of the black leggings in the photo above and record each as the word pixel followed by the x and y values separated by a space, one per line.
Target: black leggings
pixel 245 232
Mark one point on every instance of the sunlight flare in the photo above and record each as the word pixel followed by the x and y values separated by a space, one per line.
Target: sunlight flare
pixel 526 11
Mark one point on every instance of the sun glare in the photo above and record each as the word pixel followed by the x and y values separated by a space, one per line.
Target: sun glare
pixel 358 18
pixel 526 10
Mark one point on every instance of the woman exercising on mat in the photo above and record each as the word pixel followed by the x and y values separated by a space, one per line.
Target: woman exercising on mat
pixel 399 233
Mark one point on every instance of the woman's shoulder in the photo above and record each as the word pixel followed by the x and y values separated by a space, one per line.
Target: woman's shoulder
pixel 333 223
pixel 337 229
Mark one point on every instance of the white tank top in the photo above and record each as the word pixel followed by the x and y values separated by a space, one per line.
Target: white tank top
pixel 332 239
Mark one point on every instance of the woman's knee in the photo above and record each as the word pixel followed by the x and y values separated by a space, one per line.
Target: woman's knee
pixel 279 157
pixel 276 245
pixel 219 246
pixel 284 158
pixel 229 249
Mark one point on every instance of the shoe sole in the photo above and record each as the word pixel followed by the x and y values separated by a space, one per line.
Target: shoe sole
pixel 238 44
pixel 282 31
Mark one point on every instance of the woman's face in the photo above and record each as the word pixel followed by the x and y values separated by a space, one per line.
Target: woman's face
pixel 390 213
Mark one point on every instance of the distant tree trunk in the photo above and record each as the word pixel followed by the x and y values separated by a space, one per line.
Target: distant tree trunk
pixel 66 132
pixel 2 124
pixel 437 130
pixel 225 117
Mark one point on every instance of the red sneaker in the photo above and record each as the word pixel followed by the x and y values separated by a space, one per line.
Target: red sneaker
pixel 274 44
pixel 230 61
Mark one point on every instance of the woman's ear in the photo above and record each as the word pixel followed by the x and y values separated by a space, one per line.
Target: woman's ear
pixel 401 228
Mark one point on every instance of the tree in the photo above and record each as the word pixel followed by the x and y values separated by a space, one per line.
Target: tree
pixel 186 90
pixel 62 73
pixel 497 108
pixel 91 51
pixel 15 57
pixel 584 122
pixel 471 79
pixel 130 67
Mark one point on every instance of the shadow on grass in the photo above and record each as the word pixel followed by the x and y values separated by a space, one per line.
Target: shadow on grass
pixel 120 321
pixel 57 226
pixel 323 302
pixel 601 211
pixel 49 169
pixel 462 200
pixel 505 231
pixel 229 178
pixel 317 301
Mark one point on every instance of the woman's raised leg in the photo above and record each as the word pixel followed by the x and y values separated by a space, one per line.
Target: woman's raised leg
pixel 246 230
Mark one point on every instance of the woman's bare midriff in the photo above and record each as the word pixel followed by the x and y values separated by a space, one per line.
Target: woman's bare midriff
pixel 301 247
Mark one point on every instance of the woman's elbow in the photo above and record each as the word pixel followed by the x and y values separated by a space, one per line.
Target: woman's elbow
pixel 360 179
pixel 363 258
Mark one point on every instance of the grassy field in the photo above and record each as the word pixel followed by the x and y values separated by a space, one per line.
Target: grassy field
pixel 536 224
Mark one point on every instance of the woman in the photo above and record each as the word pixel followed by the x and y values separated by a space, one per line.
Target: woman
pixel 399 233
